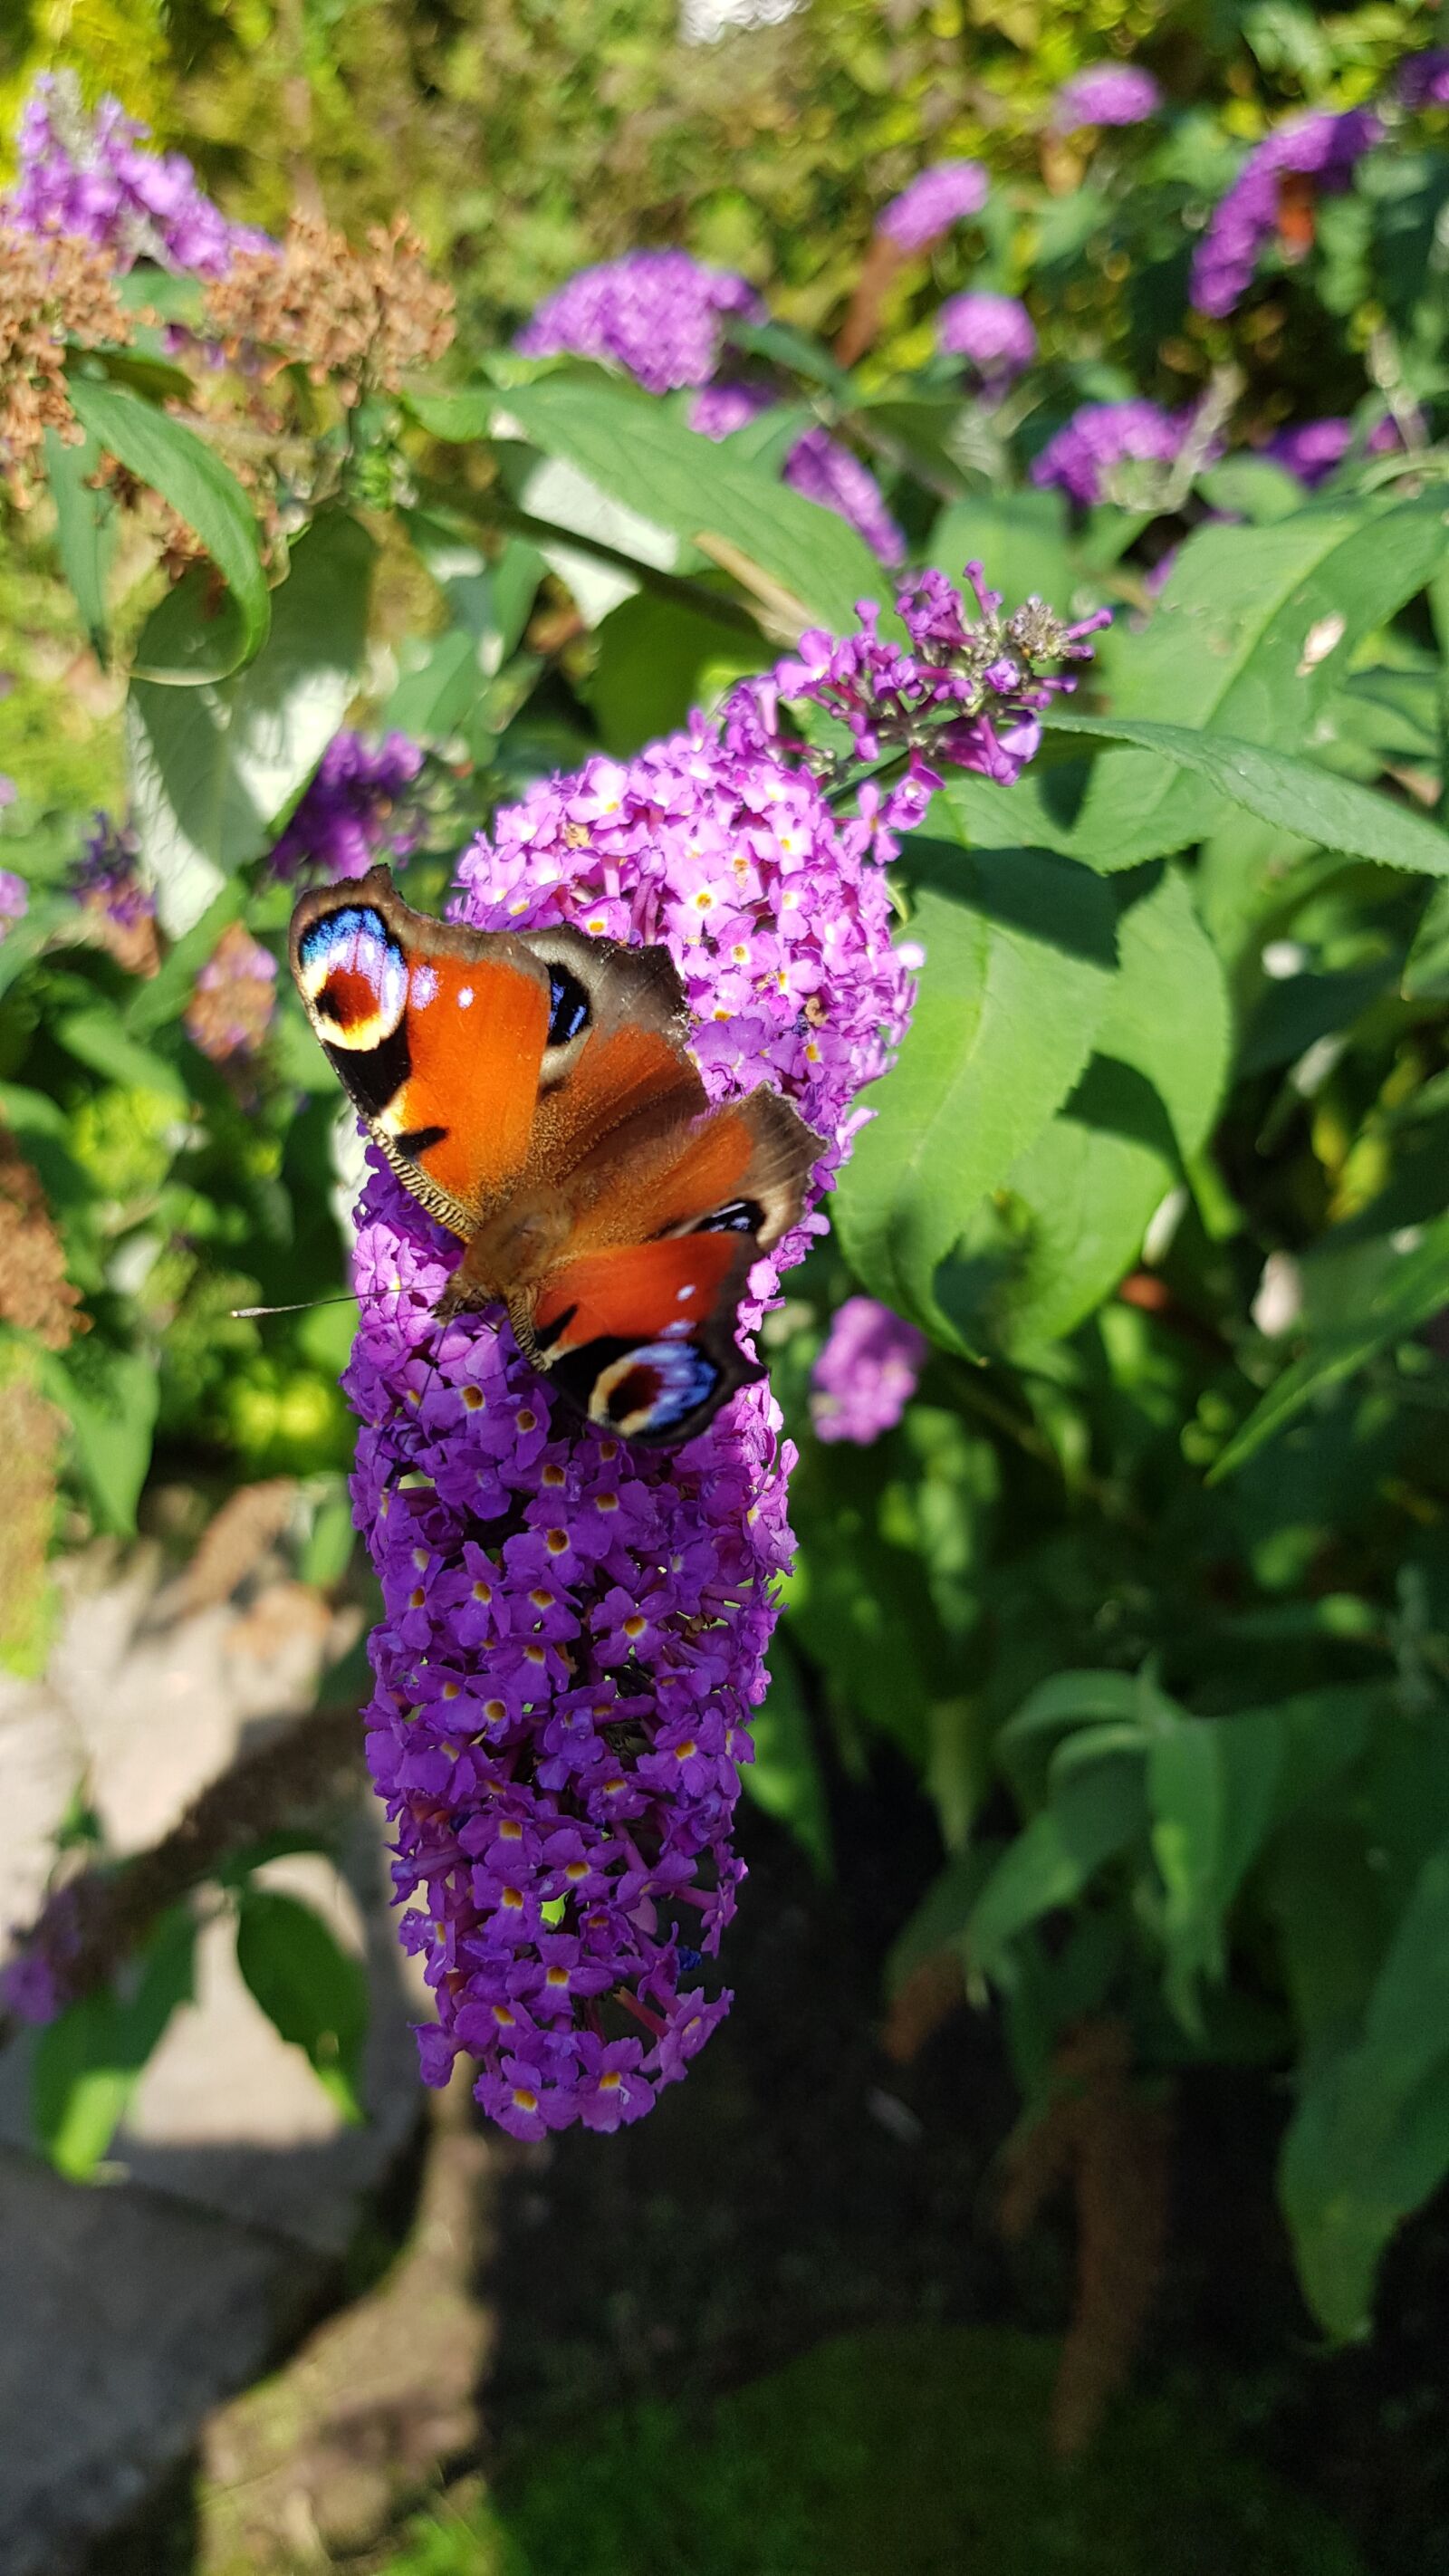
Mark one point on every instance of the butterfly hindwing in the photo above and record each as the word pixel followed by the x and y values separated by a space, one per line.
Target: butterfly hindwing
pixel 641 1338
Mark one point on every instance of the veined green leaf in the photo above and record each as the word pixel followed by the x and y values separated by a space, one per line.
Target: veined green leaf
pixel 1292 793
pixel 1018 973
pixel 87 2062
pixel 183 469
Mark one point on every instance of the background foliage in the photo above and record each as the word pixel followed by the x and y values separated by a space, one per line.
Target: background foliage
pixel 1150 1584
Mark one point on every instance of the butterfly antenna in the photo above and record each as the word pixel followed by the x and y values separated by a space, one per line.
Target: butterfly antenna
pixel 304 1306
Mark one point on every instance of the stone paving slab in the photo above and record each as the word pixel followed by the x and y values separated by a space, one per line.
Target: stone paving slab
pixel 130 2308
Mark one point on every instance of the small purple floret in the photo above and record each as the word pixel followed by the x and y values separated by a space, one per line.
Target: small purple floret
pixel 1313 448
pixel 656 313
pixel 866 1374
pixel 994 332
pixel 932 204
pixel 1107 94
pixel 14 899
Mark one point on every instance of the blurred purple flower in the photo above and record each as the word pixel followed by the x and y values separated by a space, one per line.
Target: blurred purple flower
pixel 1317 146
pixel 817 466
pixel 86 174
pixel 1312 448
pixel 14 899
pixel 353 809
pixel 1084 457
pixel 994 332
pixel 718 410
pixel 1107 94
pixel 823 470
pixel 106 879
pixel 656 313
pixel 1422 80
pixel 935 201
pixel 866 1373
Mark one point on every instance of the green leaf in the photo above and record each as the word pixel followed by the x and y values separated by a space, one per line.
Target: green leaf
pixel 1251 488
pixel 1019 949
pixel 1142 1112
pixel 180 466
pixel 109 1398
pixel 1211 1784
pixel 1291 793
pixel 1413 1286
pixel 1070 1700
pixel 215 768
pixel 312 1990
pixel 164 995
pixel 1021 540
pixel 1255 630
pixel 640 454
pixel 99 1037
pixel 655 660
pixel 784 1777
pixel 85 529
pixel 88 2061
pixel 1370 2137
pixel 1093 1815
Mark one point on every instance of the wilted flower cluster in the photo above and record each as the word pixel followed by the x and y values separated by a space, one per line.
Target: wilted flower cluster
pixel 1086 457
pixel 1107 94
pixel 967 693
pixel 234 996
pixel 354 808
pixel 928 208
pixel 656 313
pixel 1323 148
pixel 87 175
pixel 994 332
pixel 866 1373
pixel 53 291
pixel 357 319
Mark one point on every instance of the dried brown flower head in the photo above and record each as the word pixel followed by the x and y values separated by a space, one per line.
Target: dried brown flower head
pixel 231 1006
pixel 356 319
pixel 54 289
pixel 31 1429
pixel 35 1294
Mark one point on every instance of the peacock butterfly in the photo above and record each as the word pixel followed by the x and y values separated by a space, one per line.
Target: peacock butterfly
pixel 535 1091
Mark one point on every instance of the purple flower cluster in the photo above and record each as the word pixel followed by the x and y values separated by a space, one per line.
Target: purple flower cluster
pixel 14 899
pixel 1312 449
pixel 1324 148
pixel 994 332
pixel 233 998
pixel 1107 94
pixel 87 175
pixel 964 694
pixel 928 208
pixel 574 1631
pixel 353 809
pixel 866 1373
pixel 1086 455
pixel 818 466
pixel 656 313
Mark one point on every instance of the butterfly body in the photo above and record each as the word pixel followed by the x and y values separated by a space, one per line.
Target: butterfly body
pixel 535 1092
